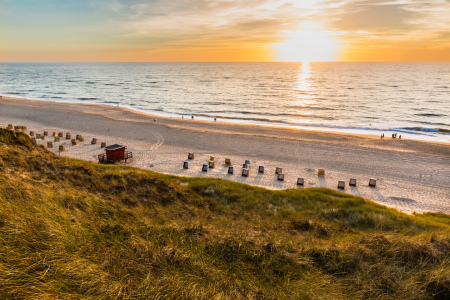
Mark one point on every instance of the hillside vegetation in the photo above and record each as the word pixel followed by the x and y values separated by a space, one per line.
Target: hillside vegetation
pixel 71 229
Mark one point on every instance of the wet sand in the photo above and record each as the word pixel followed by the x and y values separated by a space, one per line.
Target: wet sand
pixel 411 175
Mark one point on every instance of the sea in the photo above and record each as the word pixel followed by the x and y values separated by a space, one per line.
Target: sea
pixel 410 99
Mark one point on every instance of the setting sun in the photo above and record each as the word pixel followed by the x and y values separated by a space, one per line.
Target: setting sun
pixel 308 44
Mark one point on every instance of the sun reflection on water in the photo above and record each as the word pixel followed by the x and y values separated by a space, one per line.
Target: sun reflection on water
pixel 303 89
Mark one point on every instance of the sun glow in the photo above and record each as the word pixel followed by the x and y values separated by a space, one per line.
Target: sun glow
pixel 308 44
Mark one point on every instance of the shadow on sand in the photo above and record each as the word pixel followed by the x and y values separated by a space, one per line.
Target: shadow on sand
pixel 278 184
pixel 355 191
pixel 377 194
pixel 322 182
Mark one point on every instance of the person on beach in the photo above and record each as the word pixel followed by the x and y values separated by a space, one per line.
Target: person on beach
pixel 192 117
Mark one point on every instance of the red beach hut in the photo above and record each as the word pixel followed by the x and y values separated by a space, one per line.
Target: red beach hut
pixel 115 153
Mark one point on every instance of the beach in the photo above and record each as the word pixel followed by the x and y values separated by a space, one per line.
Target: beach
pixel 412 176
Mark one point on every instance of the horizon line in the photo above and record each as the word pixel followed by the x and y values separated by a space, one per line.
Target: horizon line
pixel 387 61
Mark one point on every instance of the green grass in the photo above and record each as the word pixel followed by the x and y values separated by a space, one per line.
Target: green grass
pixel 71 229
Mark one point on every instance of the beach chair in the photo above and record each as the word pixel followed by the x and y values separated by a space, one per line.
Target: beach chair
pixel 247 162
pixel 190 155
pixel 103 145
pixel 280 177
pixel 261 169
pixel 211 158
pixel 49 145
pixel 31 133
pixel 230 170
pixel 94 141
pixel 352 182
pixel 186 165
pixel 68 136
pixel 56 139
pixel 205 168
pixel 245 172
pixel 373 182
pixel 341 185
pixel 24 127
pixel 246 166
pixel 300 181
pixel 321 172
pixel 45 133
pixel 54 133
pixel 227 162
pixel 211 164
pixel 62 148
pixel 10 126
pixel 61 134
pixel 74 142
pixel 278 170
pixel 81 139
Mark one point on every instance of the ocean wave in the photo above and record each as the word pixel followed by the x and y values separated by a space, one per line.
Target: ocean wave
pixel 430 115
pixel 246 119
pixel 87 99
pixel 424 129
pixel 311 107
pixel 432 123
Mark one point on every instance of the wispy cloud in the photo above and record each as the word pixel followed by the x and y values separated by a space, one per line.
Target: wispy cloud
pixel 264 20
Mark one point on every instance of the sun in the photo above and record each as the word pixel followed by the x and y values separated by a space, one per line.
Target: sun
pixel 308 44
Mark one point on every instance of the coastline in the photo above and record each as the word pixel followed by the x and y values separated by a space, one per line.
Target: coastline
pixel 412 174
pixel 418 135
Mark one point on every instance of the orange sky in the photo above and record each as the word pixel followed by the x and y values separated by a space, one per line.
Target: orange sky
pixel 219 30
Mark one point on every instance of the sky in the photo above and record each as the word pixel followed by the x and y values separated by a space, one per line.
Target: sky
pixel 224 30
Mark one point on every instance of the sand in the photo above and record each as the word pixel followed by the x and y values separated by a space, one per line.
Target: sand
pixel 411 175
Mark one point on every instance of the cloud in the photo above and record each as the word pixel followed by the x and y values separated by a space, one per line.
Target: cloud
pixel 262 19
pixel 399 21
pixel 176 24
pixel 369 17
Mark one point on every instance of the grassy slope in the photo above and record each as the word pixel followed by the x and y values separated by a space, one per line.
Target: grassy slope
pixel 71 229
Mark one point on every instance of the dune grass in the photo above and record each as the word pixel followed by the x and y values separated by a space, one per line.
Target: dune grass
pixel 71 229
